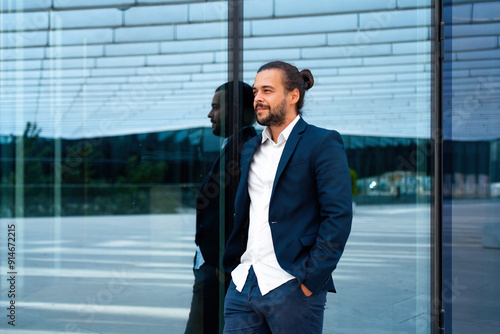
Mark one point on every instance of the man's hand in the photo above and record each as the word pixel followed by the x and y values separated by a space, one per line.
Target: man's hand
pixel 305 290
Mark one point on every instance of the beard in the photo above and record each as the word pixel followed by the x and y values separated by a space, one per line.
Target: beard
pixel 276 115
pixel 216 129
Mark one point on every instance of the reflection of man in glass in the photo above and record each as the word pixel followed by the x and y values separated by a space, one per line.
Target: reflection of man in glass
pixel 217 196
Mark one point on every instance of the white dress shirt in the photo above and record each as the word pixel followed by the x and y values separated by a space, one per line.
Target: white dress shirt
pixel 260 249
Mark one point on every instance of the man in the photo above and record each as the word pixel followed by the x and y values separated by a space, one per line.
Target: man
pixel 293 213
pixel 204 314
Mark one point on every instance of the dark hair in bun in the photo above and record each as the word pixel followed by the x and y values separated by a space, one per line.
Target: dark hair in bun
pixel 292 79
pixel 308 79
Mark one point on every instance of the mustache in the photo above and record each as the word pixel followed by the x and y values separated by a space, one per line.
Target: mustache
pixel 258 105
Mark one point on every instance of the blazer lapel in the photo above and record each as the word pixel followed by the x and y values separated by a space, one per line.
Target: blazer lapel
pixel 290 146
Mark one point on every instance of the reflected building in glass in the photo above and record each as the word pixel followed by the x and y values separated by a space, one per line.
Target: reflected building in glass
pixel 105 144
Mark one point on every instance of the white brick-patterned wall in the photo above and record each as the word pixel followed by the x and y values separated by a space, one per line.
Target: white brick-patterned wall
pixel 371 60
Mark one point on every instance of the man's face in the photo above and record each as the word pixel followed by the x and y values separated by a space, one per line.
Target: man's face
pixel 214 114
pixel 270 101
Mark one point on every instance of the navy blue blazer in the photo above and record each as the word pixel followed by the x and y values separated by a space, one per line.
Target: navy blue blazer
pixel 208 213
pixel 310 210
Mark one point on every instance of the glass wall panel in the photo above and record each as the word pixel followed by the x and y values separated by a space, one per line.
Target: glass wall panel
pixel 104 144
pixel 371 61
pixel 471 289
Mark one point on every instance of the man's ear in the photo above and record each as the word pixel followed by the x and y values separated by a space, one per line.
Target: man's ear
pixel 294 96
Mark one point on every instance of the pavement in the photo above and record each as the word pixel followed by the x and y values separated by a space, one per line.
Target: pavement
pixel 133 274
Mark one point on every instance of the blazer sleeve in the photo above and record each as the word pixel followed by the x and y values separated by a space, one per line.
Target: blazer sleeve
pixel 333 184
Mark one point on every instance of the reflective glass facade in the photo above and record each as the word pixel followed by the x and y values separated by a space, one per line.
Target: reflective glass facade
pixel 108 160
pixel 471 133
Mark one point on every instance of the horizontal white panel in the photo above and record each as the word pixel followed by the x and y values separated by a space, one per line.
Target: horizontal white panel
pixel 156 15
pixel 215 67
pixel 486 11
pixel 75 51
pixel 414 77
pixel 126 89
pixel 450 57
pixel 80 36
pixel 485 72
pixel 105 80
pixel 304 25
pixel 24 5
pixel 382 69
pixel 386 81
pixel 480 82
pixel 488 63
pixel 264 42
pixel 202 84
pixel 211 76
pixel 121 61
pixel 258 9
pixel 471 43
pixel 153 80
pixel 483 54
pixel 24 21
pixel 266 55
pixel 119 71
pixel 285 8
pixel 327 63
pixel 208 11
pixel 360 78
pixel 24 39
pixel 153 70
pixel 460 13
pixel 144 34
pixel 202 30
pixel 326 72
pixel 397 18
pixel 161 1
pixel 414 3
pixel 411 48
pixel 91 3
pixel 192 58
pixel 347 51
pixel 20 65
pixel 456 73
pixel 397 59
pixel 213 44
pixel 20 82
pixel 27 74
pixel 23 53
pixel 132 49
pixel 394 91
pixel 55 64
pixel 378 36
pixel 477 29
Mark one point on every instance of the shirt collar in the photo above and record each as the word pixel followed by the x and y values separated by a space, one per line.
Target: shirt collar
pixel 283 137
pixel 224 143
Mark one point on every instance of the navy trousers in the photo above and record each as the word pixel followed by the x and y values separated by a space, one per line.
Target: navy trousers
pixel 284 310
